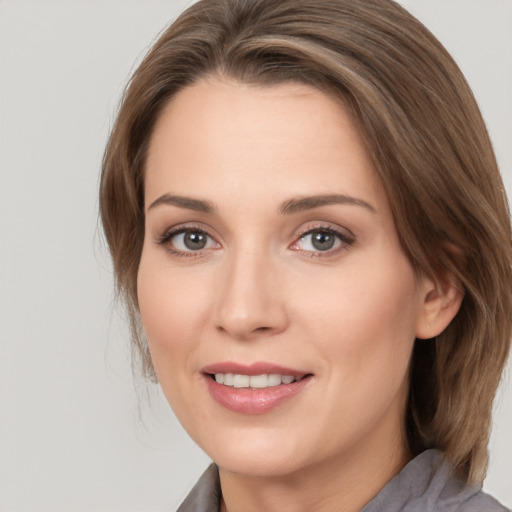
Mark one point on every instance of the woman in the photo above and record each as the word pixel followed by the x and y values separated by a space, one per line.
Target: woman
pixel 311 234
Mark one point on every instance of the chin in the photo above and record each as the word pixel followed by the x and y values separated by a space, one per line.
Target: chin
pixel 265 465
pixel 255 453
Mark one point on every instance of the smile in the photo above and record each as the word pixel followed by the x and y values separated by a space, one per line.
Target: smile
pixel 263 381
pixel 253 389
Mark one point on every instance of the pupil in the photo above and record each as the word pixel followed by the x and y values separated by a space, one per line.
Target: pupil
pixel 194 240
pixel 323 241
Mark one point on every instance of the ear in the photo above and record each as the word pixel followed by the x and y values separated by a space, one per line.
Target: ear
pixel 441 299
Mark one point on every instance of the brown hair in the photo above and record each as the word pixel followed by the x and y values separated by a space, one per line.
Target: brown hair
pixel 430 147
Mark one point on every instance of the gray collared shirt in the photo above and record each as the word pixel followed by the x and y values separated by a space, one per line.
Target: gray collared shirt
pixel 426 484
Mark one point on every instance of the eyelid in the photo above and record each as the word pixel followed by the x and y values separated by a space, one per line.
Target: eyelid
pixel 346 237
pixel 165 238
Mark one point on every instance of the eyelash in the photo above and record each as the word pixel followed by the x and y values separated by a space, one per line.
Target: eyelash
pixel 345 240
pixel 165 240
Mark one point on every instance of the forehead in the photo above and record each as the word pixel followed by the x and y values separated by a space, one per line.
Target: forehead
pixel 224 138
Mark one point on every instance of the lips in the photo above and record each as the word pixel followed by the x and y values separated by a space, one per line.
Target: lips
pixel 255 388
pixel 259 368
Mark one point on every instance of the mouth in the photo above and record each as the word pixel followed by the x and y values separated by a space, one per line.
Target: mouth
pixel 253 389
pixel 263 381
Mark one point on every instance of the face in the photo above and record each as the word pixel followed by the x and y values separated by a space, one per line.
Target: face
pixel 279 307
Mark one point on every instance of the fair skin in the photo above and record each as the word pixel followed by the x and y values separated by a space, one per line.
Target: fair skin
pixel 250 272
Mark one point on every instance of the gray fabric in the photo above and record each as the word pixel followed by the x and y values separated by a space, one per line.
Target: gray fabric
pixel 205 496
pixel 426 484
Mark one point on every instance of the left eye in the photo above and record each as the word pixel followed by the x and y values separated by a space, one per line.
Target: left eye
pixel 319 240
pixel 191 240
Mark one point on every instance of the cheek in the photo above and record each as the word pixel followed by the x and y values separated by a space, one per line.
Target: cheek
pixel 365 318
pixel 169 307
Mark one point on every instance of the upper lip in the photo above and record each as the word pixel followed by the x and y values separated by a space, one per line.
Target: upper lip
pixel 258 368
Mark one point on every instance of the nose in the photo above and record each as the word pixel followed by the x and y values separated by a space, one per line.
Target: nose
pixel 250 302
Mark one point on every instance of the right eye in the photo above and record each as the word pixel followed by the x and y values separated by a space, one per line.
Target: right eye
pixel 189 240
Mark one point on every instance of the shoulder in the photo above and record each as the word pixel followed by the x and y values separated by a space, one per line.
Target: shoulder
pixel 478 502
pixel 205 496
pixel 427 484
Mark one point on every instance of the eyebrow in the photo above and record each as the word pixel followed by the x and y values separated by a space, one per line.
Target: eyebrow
pixel 309 202
pixel 289 207
pixel 197 205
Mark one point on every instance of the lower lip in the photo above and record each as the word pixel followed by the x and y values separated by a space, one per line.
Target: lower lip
pixel 254 401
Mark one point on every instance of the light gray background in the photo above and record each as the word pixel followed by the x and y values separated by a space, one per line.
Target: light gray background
pixel 71 433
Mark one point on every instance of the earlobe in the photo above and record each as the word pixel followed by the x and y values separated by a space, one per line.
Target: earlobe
pixel 441 300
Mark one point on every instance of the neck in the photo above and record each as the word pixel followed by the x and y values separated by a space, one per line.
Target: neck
pixel 342 484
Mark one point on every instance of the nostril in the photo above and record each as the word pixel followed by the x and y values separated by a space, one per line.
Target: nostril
pixel 244 330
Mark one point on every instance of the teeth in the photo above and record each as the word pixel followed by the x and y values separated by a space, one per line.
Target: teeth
pixel 274 380
pixel 241 381
pixel 258 381
pixel 253 381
